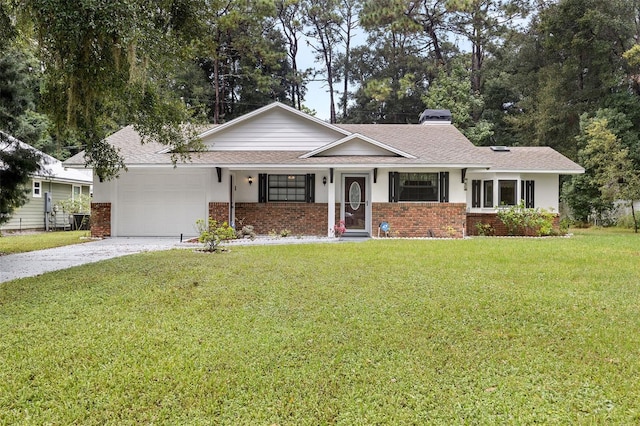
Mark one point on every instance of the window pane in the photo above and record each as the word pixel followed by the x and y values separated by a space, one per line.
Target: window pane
pixel 507 192
pixel 287 187
pixel 488 193
pixel 418 186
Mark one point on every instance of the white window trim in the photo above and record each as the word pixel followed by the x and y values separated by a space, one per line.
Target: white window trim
pixel 73 191
pixel 36 189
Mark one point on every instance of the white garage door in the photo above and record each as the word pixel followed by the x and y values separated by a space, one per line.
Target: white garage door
pixel 160 204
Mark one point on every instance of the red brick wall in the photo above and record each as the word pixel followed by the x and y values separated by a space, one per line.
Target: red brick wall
pixel 219 211
pixel 299 218
pixel 100 220
pixel 499 229
pixel 421 219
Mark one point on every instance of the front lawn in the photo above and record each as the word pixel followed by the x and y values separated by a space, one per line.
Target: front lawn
pixel 479 331
pixel 21 243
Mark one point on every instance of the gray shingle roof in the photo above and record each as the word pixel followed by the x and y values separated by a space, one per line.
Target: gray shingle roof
pixel 532 159
pixel 432 145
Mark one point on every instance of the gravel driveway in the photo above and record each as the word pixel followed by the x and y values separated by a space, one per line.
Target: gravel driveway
pixel 21 265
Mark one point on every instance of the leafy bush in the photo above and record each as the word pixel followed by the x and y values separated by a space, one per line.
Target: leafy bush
pixel 626 221
pixel 521 220
pixel 212 234
pixel 484 229
pixel 79 204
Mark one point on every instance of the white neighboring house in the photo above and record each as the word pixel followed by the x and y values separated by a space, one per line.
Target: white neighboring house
pixel 56 180
pixel 278 168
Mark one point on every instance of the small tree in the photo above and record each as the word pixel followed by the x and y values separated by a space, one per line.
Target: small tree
pixel 213 233
pixel 613 169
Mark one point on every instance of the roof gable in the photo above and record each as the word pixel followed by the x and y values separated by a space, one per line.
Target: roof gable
pixel 356 145
pixel 275 127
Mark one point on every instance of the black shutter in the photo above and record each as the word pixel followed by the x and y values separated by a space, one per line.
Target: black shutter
pixel 529 200
pixel 262 188
pixel 310 195
pixel 444 187
pixel 394 186
pixel 475 193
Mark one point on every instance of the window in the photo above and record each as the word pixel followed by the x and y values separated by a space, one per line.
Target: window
pixel 296 188
pixel 488 194
pixel 37 189
pixel 507 192
pixel 77 192
pixel 418 186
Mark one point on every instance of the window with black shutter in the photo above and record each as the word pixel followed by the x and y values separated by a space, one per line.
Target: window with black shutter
pixel 291 188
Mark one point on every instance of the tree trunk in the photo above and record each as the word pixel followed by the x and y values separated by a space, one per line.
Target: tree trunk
pixel 633 215
pixel 216 85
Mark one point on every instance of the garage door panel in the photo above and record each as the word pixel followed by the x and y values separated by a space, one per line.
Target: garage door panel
pixel 161 204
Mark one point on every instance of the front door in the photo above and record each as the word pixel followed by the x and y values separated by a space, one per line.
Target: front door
pixel 355 205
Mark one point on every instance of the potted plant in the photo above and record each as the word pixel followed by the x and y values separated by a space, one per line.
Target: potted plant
pixel 339 229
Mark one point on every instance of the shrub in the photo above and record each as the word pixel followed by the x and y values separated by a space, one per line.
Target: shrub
pixel 626 221
pixel 79 204
pixel 484 229
pixel 521 220
pixel 212 234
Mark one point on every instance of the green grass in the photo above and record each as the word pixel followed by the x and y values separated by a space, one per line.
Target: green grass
pixel 477 331
pixel 39 241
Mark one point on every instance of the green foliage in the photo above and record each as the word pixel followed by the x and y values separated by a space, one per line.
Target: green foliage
pixel 484 229
pixel 607 156
pixel 78 204
pixel 521 220
pixel 212 233
pixel 109 63
pixel 452 90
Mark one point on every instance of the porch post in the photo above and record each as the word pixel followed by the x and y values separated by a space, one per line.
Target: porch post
pixel 331 205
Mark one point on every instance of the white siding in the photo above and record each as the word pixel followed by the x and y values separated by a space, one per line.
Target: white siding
pixel 275 130
pixel 32 215
pixel 356 147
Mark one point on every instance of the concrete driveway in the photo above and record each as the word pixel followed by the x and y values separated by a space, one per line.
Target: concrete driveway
pixel 34 263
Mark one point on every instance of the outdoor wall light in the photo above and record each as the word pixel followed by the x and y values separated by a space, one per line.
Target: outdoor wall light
pixel 324 181
pixel 250 180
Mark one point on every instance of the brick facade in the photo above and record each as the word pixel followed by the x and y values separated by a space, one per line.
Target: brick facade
pixel 299 218
pixel 421 219
pixel 499 229
pixel 406 219
pixel 100 220
pixel 219 211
